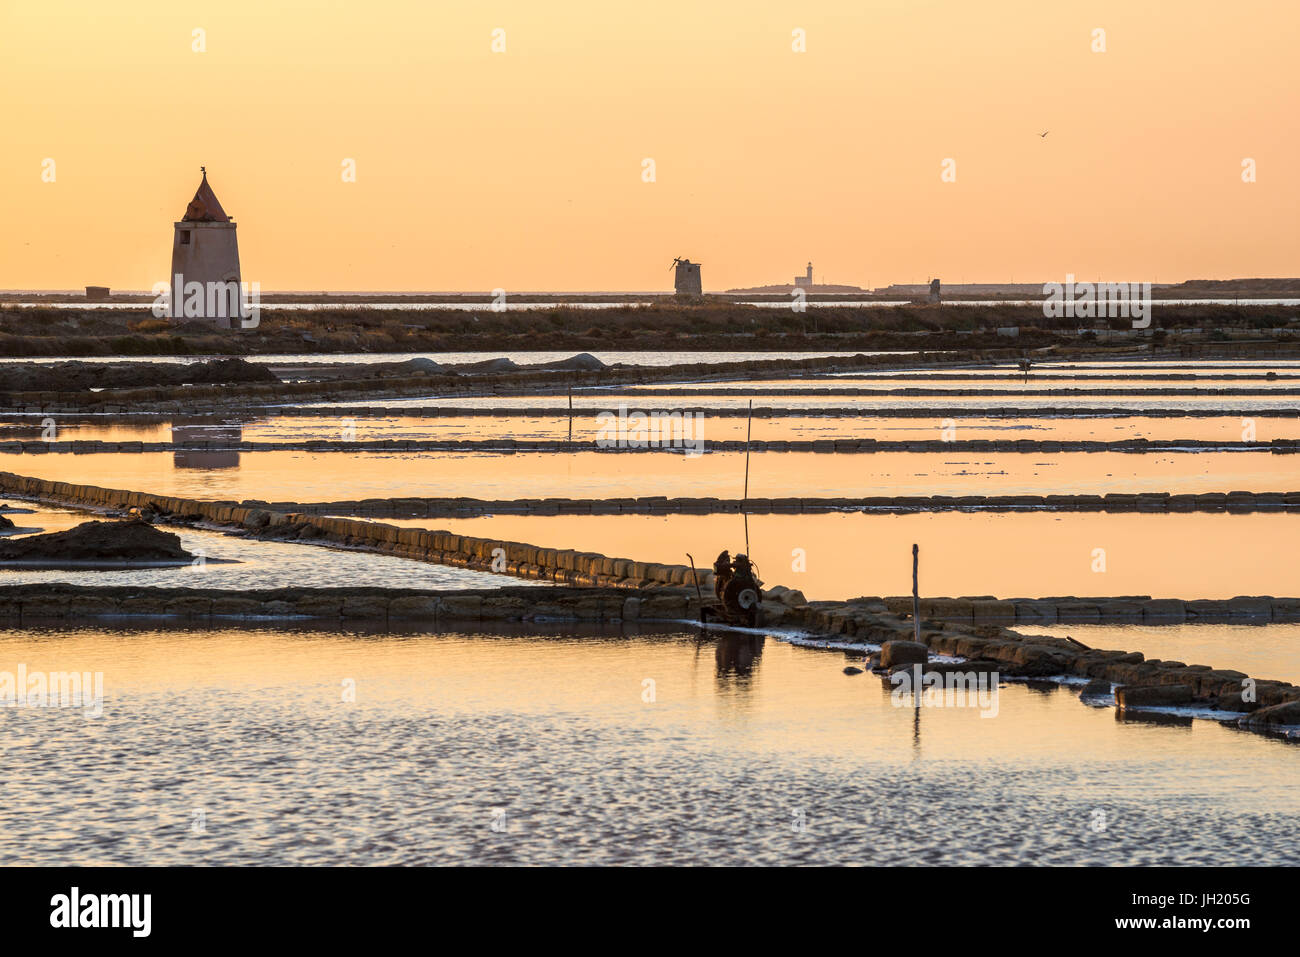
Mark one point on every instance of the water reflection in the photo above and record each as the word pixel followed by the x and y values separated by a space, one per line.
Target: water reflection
pixel 247 723
pixel 736 656
pixel 324 476
pixel 195 429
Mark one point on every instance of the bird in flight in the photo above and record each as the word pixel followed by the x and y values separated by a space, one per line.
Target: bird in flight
pixel 1044 133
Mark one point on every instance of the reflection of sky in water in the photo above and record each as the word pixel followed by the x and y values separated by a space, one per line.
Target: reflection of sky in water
pixel 279 428
pixel 1009 555
pixel 1010 384
pixel 449 731
pixel 328 476
pixel 1228 404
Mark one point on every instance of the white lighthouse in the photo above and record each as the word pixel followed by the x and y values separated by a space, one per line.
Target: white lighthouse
pixel 205 261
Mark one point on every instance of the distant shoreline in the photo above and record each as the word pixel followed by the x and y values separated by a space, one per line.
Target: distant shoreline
pixel 1278 288
pixel 702 326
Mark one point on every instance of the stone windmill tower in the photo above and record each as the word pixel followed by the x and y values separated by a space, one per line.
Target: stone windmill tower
pixel 686 279
pixel 205 261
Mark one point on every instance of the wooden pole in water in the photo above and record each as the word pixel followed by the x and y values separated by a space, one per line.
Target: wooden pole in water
pixel 570 415
pixel 749 430
pixel 916 594
pixel 744 501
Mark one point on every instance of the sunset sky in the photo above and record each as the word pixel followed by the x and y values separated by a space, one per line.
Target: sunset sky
pixel 523 169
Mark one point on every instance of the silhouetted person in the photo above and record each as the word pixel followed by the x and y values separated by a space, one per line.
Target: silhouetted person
pixel 722 572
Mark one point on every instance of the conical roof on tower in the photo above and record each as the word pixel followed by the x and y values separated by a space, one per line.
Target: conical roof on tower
pixel 204 207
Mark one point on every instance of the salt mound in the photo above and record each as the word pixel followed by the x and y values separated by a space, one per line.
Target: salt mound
pixel 419 364
pixel 583 362
pixel 491 365
pixel 131 541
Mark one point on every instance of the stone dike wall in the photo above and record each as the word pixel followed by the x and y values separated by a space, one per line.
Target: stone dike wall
pixel 1273 703
pixel 1070 610
pixel 507 445
pixel 186 399
pixel 562 566
pixel 27 603
pixel 152 415
pixel 662 505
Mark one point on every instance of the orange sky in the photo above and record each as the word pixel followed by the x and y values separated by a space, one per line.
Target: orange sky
pixel 523 169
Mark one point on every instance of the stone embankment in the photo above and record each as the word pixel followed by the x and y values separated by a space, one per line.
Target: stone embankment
pixel 524 380
pixel 32 603
pixel 1071 610
pixel 1038 376
pixel 510 445
pixel 83 376
pixel 1239 501
pixel 1142 682
pixel 336 413
pixel 516 381
pixel 564 566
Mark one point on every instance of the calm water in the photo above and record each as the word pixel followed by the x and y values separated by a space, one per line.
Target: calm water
pixel 838 555
pixel 330 476
pixel 558 427
pixel 237 747
pixel 838 384
pixel 1259 404
pixel 257 565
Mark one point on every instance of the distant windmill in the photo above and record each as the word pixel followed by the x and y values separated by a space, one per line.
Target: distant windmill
pixel 1044 133
pixel 686 282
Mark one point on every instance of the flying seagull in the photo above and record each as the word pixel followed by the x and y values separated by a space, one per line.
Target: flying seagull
pixel 1044 133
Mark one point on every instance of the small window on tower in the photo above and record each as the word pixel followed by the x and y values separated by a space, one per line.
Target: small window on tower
pixel 185 237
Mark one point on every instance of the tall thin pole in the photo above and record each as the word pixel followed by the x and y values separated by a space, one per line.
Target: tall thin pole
pixel 749 430
pixel 744 502
pixel 916 594
pixel 570 415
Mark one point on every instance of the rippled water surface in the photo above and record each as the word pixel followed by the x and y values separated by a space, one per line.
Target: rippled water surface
pixel 238 747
